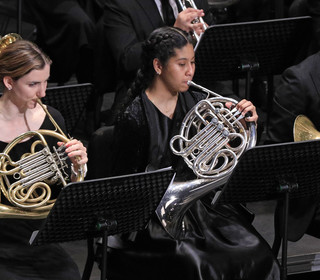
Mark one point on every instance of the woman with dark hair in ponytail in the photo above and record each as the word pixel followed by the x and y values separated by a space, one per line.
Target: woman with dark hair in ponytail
pixel 216 243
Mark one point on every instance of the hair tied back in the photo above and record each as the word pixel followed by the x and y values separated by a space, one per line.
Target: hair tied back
pixel 8 39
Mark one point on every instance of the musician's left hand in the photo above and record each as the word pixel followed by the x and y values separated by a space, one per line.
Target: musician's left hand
pixel 76 152
pixel 245 106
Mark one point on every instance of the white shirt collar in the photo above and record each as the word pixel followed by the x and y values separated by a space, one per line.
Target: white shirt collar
pixel 173 5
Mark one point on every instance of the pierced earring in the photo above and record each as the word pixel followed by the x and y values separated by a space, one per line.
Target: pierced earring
pixel 9 88
pixel 158 73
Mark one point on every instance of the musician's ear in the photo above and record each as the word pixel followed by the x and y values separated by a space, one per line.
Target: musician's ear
pixel 157 66
pixel 8 82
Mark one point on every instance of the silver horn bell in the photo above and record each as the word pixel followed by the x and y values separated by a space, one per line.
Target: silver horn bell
pixel 211 140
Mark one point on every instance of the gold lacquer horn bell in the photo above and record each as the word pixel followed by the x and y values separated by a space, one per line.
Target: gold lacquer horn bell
pixel 304 129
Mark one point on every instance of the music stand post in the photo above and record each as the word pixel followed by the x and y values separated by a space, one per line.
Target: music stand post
pixel 104 226
pixel 274 172
pixel 248 49
pixel 103 207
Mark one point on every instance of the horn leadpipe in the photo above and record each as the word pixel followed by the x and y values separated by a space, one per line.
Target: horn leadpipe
pixel 51 118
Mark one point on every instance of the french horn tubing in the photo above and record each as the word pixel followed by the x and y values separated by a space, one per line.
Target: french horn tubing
pixel 211 140
pixel 26 183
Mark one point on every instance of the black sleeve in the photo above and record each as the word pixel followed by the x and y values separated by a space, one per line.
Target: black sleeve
pixel 290 100
pixel 122 36
pixel 129 148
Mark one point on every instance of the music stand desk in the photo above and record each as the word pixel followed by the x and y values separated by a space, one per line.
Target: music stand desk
pixel 241 50
pixel 274 172
pixel 98 208
pixel 71 101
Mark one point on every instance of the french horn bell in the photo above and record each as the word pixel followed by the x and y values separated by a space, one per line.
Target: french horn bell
pixel 304 129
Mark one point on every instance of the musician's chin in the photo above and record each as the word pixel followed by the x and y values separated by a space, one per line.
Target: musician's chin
pixel 184 87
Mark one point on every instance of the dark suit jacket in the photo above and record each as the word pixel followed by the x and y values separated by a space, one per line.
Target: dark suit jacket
pixel 297 93
pixel 127 23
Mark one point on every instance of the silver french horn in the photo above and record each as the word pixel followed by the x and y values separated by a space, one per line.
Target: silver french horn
pixel 211 140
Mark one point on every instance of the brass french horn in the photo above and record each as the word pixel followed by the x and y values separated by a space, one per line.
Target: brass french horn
pixel 26 183
pixel 304 129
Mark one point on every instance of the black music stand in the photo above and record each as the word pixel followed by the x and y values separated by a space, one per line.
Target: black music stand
pixel 242 50
pixel 103 207
pixel 275 172
pixel 71 101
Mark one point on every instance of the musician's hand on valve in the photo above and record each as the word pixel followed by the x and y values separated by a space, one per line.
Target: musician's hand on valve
pixel 247 109
pixel 187 20
pixel 76 152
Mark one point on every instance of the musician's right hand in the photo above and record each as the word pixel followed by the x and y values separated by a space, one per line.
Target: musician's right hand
pixel 185 20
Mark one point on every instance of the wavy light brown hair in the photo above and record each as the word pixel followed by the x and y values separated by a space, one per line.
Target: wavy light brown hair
pixel 20 58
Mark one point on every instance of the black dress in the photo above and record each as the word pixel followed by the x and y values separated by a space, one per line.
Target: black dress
pixel 19 260
pixel 217 243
